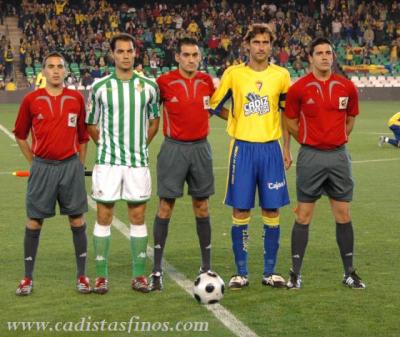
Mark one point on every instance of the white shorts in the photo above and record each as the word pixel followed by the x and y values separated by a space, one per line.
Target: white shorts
pixel 114 182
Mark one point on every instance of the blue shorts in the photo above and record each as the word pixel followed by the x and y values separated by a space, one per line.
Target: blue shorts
pixel 396 131
pixel 254 165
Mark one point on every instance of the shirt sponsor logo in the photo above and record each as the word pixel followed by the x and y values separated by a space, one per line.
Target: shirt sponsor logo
pixel 206 102
pixel 72 120
pixel 257 104
pixel 276 185
pixel 343 101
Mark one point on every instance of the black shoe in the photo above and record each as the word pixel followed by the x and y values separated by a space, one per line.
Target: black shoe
pixel 353 281
pixel 156 281
pixel 294 281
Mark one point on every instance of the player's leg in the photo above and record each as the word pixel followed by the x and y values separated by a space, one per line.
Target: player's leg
pixel 396 131
pixel 271 235
pixel 136 190
pixel 79 237
pixel 160 233
pixel 40 203
pixel 340 191
pixel 310 177
pixel 72 199
pixel 345 241
pixel 273 194
pixel 31 244
pixel 172 168
pixel 203 228
pixel 101 243
pixel 240 242
pixel 138 243
pixel 240 193
pixel 304 212
pixel 106 189
pixel 200 180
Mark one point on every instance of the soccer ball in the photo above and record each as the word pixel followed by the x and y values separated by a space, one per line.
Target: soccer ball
pixel 208 288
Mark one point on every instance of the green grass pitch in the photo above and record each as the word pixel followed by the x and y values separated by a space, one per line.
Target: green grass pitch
pixel 322 308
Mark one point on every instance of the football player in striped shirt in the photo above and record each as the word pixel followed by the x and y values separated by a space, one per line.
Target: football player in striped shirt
pixel 394 126
pixel 257 92
pixel 123 118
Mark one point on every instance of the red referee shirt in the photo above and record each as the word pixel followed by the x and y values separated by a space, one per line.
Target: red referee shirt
pixel 185 105
pixel 57 123
pixel 322 108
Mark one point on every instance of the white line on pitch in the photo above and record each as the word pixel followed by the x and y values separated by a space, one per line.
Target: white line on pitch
pixel 230 321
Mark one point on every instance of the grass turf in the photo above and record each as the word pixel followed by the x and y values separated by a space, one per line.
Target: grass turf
pixel 322 307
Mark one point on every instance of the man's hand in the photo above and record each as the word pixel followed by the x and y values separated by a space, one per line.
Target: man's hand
pixel 287 158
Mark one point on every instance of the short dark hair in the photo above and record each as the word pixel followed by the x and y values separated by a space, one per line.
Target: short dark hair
pixel 52 54
pixel 317 42
pixel 185 41
pixel 122 37
pixel 258 28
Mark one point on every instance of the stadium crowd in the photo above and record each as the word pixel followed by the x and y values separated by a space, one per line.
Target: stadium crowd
pixel 81 30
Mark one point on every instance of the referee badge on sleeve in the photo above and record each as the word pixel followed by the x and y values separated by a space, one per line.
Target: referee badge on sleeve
pixel 206 102
pixel 72 119
pixel 343 102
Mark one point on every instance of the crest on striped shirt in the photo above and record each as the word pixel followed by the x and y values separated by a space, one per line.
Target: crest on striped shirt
pixel 139 87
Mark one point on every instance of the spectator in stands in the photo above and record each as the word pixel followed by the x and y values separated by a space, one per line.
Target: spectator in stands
pixel 8 59
pixel 87 79
pixel 369 36
pixel 394 52
pixel 283 57
pixel 349 55
pixel 95 72
pixel 2 71
pixel 298 64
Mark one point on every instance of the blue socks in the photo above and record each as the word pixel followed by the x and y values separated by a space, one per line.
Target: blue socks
pixel 271 243
pixel 240 238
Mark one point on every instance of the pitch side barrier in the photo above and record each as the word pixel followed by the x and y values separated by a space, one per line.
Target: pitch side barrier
pixel 366 94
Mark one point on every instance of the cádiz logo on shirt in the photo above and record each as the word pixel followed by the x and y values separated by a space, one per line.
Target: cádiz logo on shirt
pixel 257 105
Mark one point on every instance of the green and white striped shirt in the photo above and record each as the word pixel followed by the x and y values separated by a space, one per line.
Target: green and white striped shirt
pixel 121 110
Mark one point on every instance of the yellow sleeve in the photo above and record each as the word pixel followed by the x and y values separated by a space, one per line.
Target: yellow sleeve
pixel 222 94
pixel 394 120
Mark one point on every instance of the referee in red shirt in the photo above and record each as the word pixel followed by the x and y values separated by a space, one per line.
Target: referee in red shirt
pixel 320 112
pixel 55 117
pixel 185 154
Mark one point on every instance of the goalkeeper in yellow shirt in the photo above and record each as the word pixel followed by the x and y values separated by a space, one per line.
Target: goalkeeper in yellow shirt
pixel 394 125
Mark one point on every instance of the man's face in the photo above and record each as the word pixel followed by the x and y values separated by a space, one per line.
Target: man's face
pixel 322 57
pixel 260 47
pixel 54 70
pixel 189 58
pixel 124 55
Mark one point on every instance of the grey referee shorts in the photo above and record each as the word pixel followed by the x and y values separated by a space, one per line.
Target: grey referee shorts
pixel 325 172
pixel 52 181
pixel 178 162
